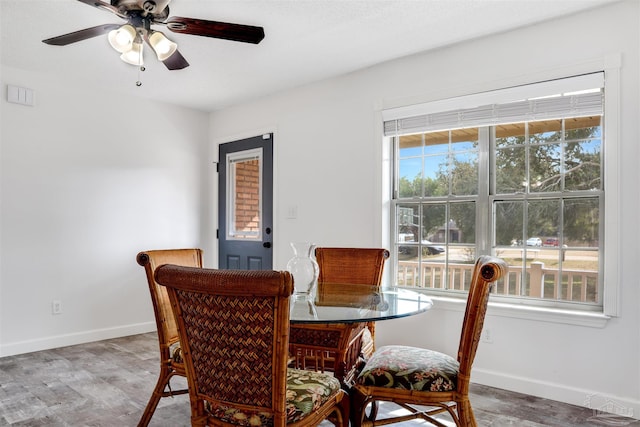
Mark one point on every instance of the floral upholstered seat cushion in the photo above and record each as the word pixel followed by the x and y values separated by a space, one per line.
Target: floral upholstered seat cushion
pixel 410 368
pixel 306 391
pixel 176 353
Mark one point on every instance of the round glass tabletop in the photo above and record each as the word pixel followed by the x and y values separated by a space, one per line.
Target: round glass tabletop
pixel 348 303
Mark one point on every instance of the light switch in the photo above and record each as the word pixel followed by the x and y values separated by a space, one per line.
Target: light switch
pixel 28 98
pixel 20 95
pixel 13 94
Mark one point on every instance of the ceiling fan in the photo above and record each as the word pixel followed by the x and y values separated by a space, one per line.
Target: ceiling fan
pixel 140 16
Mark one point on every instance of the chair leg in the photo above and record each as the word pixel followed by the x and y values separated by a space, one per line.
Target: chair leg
pixel 359 404
pixel 465 414
pixel 158 391
pixel 199 420
pixel 345 410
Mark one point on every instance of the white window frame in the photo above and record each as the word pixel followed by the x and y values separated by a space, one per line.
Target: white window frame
pixel 611 298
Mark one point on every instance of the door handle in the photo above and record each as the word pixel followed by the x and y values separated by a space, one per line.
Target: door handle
pixel 266 245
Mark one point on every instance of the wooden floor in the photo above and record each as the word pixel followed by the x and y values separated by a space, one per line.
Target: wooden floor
pixel 108 383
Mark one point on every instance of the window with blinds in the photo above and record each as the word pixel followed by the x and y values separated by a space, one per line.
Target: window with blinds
pixel 516 173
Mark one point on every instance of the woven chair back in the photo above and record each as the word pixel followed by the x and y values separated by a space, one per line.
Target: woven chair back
pixel 236 325
pixel 150 260
pixel 362 266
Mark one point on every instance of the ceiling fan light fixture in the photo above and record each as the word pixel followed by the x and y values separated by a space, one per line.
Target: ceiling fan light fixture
pixel 122 38
pixel 140 16
pixel 162 46
pixel 134 55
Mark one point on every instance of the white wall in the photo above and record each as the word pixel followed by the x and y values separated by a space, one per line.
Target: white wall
pixel 328 164
pixel 88 180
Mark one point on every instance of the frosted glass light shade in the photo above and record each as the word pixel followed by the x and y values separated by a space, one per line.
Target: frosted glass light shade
pixel 134 55
pixel 122 38
pixel 162 46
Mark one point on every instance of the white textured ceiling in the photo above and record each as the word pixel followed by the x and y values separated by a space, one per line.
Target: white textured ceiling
pixel 306 41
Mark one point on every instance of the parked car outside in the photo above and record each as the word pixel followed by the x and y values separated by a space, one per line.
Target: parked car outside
pixel 552 241
pixel 431 248
pixel 428 247
pixel 534 241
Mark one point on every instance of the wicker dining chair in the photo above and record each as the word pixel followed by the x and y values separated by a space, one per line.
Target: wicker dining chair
pixel 409 376
pixel 339 347
pixel 170 352
pixel 360 266
pixel 234 331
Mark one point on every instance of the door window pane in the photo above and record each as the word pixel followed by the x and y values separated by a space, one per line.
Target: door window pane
pixel 244 207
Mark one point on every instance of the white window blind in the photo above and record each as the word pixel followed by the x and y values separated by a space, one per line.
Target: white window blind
pixel 539 101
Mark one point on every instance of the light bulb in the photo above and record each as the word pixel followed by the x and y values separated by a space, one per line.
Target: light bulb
pixel 122 38
pixel 162 46
pixel 134 55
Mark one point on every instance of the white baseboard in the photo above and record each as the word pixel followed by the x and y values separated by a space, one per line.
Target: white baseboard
pixel 46 343
pixel 592 399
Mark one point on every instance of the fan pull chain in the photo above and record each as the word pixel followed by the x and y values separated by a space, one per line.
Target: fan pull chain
pixel 139 82
pixel 140 70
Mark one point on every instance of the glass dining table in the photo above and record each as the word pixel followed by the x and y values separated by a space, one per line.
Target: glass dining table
pixel 349 303
pixel 329 328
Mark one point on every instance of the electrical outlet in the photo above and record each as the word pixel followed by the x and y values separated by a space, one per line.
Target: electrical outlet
pixel 56 307
pixel 487 335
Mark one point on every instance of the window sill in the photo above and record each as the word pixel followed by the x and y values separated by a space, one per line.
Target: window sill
pixel 539 314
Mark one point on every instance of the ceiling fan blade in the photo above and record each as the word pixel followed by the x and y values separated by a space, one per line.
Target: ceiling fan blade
pixel 219 30
pixel 105 6
pixel 80 35
pixel 176 61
